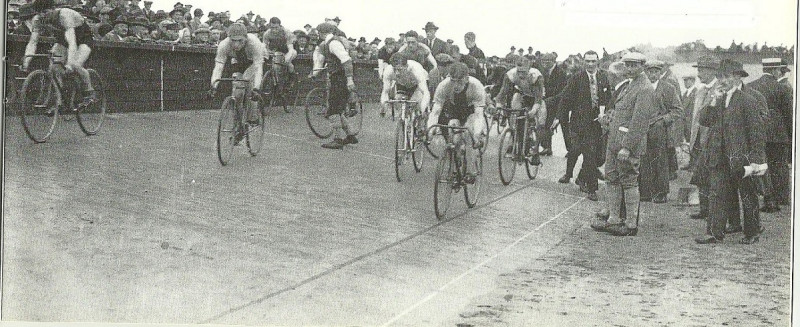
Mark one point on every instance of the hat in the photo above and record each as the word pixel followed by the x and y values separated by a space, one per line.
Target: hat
pixel 198 12
pixel 550 56
pixel 450 41
pixel 336 19
pixel 773 63
pixel 655 64
pixel 307 25
pixel 179 10
pixel 202 30
pixel 430 26
pixel 376 41
pixel 275 20
pixel 634 57
pixel 148 2
pixel 707 62
pixel 302 34
pixel 177 4
pixel 513 48
pixel 160 15
pixel 530 48
pixel 362 39
pixel 389 40
pixel 728 66
pixel 250 13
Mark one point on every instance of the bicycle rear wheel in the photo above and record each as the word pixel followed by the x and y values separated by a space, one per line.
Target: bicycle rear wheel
pixel 226 130
pixel 355 122
pixel 91 118
pixel 473 171
pixel 316 109
pixel 255 135
pixel 443 185
pixel 506 153
pixel 38 106
pixel 533 168
pixel 415 136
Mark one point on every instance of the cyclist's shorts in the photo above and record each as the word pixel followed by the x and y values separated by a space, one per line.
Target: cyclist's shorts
pixel 449 113
pixel 275 46
pixel 405 89
pixel 83 35
pixel 239 66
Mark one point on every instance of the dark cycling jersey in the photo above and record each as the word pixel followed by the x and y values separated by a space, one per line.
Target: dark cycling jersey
pixel 52 22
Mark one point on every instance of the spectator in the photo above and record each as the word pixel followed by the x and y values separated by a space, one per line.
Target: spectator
pixel 217 35
pixel 301 44
pixel 120 32
pixel 196 23
pixel 373 48
pixel 472 63
pixel 140 30
pixel 26 12
pixel 148 10
pixel 435 44
pixel 250 20
pixel 511 56
pixel 308 29
pixel 170 28
pixel 520 53
pixel 134 10
pixel 555 78
pixel 469 40
pixel 202 36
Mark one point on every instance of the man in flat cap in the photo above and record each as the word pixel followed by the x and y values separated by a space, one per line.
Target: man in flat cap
pixel 655 164
pixel 434 43
pixel 734 154
pixel 780 103
pixel 627 141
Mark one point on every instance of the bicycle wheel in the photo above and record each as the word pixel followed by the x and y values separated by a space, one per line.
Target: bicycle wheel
pixel 506 152
pixel 91 118
pixel 415 135
pixel 473 169
pixel 316 109
pixel 38 106
pixel 255 135
pixel 355 122
pixel 279 90
pixel 443 185
pixel 533 168
pixel 226 130
pixel 399 148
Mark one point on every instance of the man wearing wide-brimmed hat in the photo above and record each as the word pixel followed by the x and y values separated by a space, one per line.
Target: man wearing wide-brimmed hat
pixel 734 153
pixel 707 74
pixel 780 101
pixel 139 29
pixel 627 141
pixel 434 43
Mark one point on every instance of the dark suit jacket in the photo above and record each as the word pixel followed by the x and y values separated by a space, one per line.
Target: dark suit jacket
pixel 669 111
pixel 736 133
pixel 554 83
pixel 577 98
pixel 779 104
pixel 437 47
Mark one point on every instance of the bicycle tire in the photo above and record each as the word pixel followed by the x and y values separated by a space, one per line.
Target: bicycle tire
pixel 255 136
pixel 473 190
pixel 316 108
pixel 531 169
pixel 355 122
pixel 38 106
pixel 226 130
pixel 443 185
pixel 506 163
pixel 399 148
pixel 91 118
pixel 415 139
pixel 280 92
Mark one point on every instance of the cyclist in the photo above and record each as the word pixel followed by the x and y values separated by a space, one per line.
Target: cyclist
pixel 527 86
pixel 414 50
pixel 406 77
pixel 245 53
pixel 74 41
pixel 278 39
pixel 460 100
pixel 332 53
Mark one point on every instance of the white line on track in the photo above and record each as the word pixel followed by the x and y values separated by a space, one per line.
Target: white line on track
pixel 476 267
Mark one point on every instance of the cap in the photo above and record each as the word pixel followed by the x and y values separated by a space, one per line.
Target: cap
pixel 336 19
pixel 307 25
pixel 634 57
pixel 728 66
pixel 513 48
pixel 198 12
pixel 707 62
pixel 655 64
pixel 275 20
pixel 362 39
pixel 177 10
pixel 376 41
pixel 202 30
pixel 430 26
pixel 389 40
pixel 326 28
pixel 444 58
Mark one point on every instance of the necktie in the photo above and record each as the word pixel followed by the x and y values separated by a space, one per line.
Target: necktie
pixel 593 89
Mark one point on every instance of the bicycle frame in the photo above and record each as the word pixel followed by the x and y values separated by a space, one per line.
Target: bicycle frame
pixel 520 145
pixel 408 116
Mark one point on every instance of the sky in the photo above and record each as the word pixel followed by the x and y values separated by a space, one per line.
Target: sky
pixel 564 26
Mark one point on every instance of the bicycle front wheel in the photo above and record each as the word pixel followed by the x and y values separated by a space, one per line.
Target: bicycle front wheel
pixel 355 119
pixel 533 161
pixel 399 148
pixel 506 153
pixel 38 106
pixel 415 135
pixel 255 134
pixel 443 185
pixel 473 171
pixel 226 130
pixel 316 109
pixel 91 118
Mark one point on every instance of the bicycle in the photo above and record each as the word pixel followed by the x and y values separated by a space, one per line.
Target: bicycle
pixel 514 148
pixel 233 125
pixel 409 134
pixel 453 172
pixel 316 111
pixel 42 100
pixel 494 116
pixel 275 89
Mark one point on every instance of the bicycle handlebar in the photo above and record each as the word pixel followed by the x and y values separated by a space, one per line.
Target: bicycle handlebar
pixel 403 101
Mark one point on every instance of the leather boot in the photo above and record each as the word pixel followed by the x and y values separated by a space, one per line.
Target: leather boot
pixel 614 196
pixel 632 204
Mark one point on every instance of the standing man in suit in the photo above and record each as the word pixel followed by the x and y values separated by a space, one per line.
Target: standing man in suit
pixel 627 138
pixel 434 43
pixel 555 78
pixel 583 95
pixel 655 165
pixel 735 151
pixel 779 100
pixel 707 73
pixel 469 41
pixel 687 100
